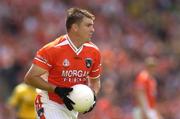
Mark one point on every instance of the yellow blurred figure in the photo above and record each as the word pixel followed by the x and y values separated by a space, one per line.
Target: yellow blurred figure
pixel 22 100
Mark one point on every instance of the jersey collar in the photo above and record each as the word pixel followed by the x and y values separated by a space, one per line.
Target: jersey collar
pixel 74 48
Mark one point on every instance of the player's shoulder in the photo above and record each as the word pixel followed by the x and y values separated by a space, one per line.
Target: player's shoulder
pixel 21 87
pixel 143 75
pixel 92 46
pixel 54 43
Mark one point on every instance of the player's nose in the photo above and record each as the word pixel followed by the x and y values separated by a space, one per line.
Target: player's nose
pixel 92 29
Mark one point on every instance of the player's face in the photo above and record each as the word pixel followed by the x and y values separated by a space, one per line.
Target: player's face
pixel 85 29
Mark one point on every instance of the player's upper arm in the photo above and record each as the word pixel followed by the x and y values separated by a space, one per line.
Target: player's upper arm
pixel 34 71
pixel 42 63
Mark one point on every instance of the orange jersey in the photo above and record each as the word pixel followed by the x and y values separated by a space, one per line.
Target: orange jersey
pixel 68 65
pixel 148 84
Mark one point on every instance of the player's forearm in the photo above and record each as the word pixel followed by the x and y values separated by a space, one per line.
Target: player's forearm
pixel 143 104
pixel 158 113
pixel 33 78
pixel 95 85
pixel 142 101
pixel 38 82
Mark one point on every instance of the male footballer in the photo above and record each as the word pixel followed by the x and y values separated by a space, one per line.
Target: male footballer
pixel 146 91
pixel 68 60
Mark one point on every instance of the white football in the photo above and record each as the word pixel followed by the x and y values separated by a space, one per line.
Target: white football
pixel 82 96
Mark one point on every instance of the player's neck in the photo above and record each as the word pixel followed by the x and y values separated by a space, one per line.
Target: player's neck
pixel 75 40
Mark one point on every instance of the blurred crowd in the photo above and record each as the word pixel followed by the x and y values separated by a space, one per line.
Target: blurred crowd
pixel 126 31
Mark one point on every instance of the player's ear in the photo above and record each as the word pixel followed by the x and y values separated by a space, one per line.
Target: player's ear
pixel 75 27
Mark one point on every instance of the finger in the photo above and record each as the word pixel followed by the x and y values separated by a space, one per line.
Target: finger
pixel 69 106
pixel 69 89
pixel 94 104
pixel 69 100
pixel 85 112
pixel 94 98
pixel 90 109
pixel 69 103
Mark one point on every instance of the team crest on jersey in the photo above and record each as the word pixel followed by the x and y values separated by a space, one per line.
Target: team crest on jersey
pixel 66 63
pixel 88 62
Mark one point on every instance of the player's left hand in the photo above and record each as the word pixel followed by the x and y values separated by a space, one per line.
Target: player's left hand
pixel 91 108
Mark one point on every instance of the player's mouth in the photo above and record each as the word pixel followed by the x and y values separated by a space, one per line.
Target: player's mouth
pixel 90 35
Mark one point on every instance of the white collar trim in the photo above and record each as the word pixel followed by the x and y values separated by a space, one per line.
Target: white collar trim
pixel 74 48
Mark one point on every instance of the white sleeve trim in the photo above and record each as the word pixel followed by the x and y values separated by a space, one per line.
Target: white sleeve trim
pixel 43 61
pixel 96 70
pixel 95 77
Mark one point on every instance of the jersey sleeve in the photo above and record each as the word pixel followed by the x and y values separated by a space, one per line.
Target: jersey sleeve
pixel 141 80
pixel 43 58
pixel 96 69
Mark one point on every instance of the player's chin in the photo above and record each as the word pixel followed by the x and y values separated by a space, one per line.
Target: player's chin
pixel 90 37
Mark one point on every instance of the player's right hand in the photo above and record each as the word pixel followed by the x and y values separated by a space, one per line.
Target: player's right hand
pixel 63 92
pixel 69 103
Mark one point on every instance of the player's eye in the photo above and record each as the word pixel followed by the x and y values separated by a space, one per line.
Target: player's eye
pixel 89 25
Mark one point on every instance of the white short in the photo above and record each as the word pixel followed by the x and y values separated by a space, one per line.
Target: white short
pixel 47 109
pixel 137 114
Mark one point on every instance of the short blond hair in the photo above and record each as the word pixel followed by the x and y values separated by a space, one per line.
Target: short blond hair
pixel 75 15
pixel 150 62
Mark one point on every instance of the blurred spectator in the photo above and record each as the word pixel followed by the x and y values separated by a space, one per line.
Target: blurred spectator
pixel 21 102
pixel 5 110
pixel 146 91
